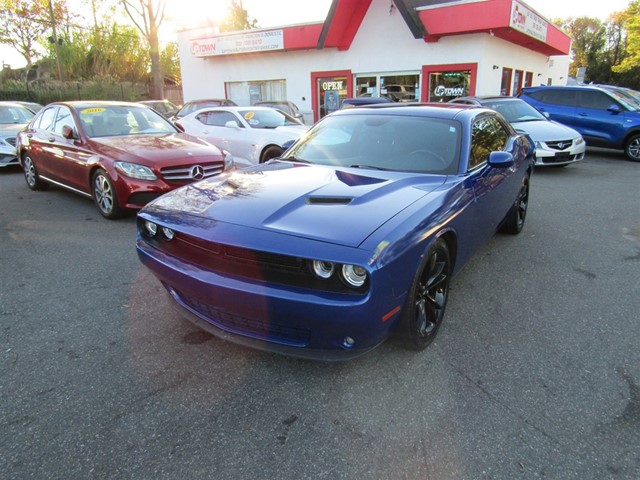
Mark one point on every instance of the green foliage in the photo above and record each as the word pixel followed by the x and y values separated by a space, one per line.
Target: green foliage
pixel 606 48
pixel 631 19
pixel 53 91
pixel 25 25
pixel 237 19
pixel 170 62
pixel 115 52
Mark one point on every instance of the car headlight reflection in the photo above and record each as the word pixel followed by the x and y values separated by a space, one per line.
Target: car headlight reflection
pixel 354 275
pixel 150 228
pixel 323 269
pixel 134 170
pixel 168 233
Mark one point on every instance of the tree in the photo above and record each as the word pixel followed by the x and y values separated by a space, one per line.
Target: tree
pixel 147 16
pixel 115 52
pixel 25 23
pixel 170 62
pixel 237 19
pixel 631 20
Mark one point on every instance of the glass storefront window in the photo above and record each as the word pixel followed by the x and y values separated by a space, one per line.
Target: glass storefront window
pixel 397 88
pixel 331 92
pixel 445 86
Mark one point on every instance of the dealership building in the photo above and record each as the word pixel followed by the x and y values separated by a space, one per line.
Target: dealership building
pixel 405 50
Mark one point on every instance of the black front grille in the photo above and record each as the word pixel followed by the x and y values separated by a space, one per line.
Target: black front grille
pixel 190 173
pixel 254 265
pixel 560 144
pixel 268 330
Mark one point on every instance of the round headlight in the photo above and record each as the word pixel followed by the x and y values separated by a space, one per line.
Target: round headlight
pixel 323 269
pixel 151 228
pixel 168 233
pixel 354 275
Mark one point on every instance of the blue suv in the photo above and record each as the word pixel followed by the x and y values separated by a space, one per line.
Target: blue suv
pixel 605 116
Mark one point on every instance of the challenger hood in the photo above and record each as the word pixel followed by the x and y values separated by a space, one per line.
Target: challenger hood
pixel 336 205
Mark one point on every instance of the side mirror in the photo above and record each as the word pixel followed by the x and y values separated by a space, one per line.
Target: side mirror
pixel 231 124
pixel 68 133
pixel 546 115
pixel 613 108
pixel 180 127
pixel 500 159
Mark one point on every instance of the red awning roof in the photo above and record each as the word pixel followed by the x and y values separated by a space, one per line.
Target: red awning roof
pixel 437 19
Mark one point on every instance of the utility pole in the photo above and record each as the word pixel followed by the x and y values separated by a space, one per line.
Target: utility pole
pixel 55 40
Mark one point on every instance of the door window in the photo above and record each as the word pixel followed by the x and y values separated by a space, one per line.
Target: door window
pixel 217 119
pixel 594 99
pixel 48 119
pixel 488 135
pixel 63 118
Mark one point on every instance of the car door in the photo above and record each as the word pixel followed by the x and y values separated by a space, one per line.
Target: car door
pixel 494 189
pixel 41 150
pixel 70 160
pixel 236 139
pixel 599 118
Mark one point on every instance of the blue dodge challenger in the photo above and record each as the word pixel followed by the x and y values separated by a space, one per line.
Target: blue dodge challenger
pixel 352 235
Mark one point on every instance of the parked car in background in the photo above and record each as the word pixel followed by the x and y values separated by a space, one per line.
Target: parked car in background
pixel 556 145
pixel 352 235
pixel 286 106
pixel 164 107
pixel 603 116
pixel 13 118
pixel 33 106
pixel 363 100
pixel 120 154
pixel 252 134
pixel 193 105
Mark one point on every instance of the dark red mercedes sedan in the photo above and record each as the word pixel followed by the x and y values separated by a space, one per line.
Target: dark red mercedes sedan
pixel 121 154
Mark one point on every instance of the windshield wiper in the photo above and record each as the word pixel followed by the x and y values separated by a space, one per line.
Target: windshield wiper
pixel 372 167
pixel 293 159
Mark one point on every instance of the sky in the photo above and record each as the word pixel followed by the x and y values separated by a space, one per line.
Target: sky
pixel 271 13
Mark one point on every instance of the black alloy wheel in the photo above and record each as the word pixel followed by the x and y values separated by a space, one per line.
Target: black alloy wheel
pixel 514 221
pixel 427 300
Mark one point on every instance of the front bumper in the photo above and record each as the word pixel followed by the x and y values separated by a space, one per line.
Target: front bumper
pixel 292 321
pixel 550 157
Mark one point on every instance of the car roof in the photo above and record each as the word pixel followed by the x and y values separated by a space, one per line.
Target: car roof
pixel 79 104
pixel 438 110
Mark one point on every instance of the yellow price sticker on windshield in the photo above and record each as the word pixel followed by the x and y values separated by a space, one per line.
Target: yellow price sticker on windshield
pixel 249 115
pixel 90 111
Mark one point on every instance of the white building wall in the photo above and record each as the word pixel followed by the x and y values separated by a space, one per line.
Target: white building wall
pixel 383 44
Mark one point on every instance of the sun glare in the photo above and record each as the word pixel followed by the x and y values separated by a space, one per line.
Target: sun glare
pixel 196 13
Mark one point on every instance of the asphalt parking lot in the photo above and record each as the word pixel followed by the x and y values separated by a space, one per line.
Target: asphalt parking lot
pixel 535 372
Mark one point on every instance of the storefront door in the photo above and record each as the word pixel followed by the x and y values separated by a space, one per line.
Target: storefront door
pixel 329 90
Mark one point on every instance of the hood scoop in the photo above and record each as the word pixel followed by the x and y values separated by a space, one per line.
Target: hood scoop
pixel 329 200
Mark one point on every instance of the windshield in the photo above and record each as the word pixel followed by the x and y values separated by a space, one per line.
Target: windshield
pixel 15 115
pixel 382 142
pixel 629 98
pixel 116 120
pixel 516 111
pixel 267 118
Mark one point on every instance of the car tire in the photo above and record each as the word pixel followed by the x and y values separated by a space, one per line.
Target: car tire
pixel 427 299
pixel 514 221
pixel 31 174
pixel 632 148
pixel 270 152
pixel 104 195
